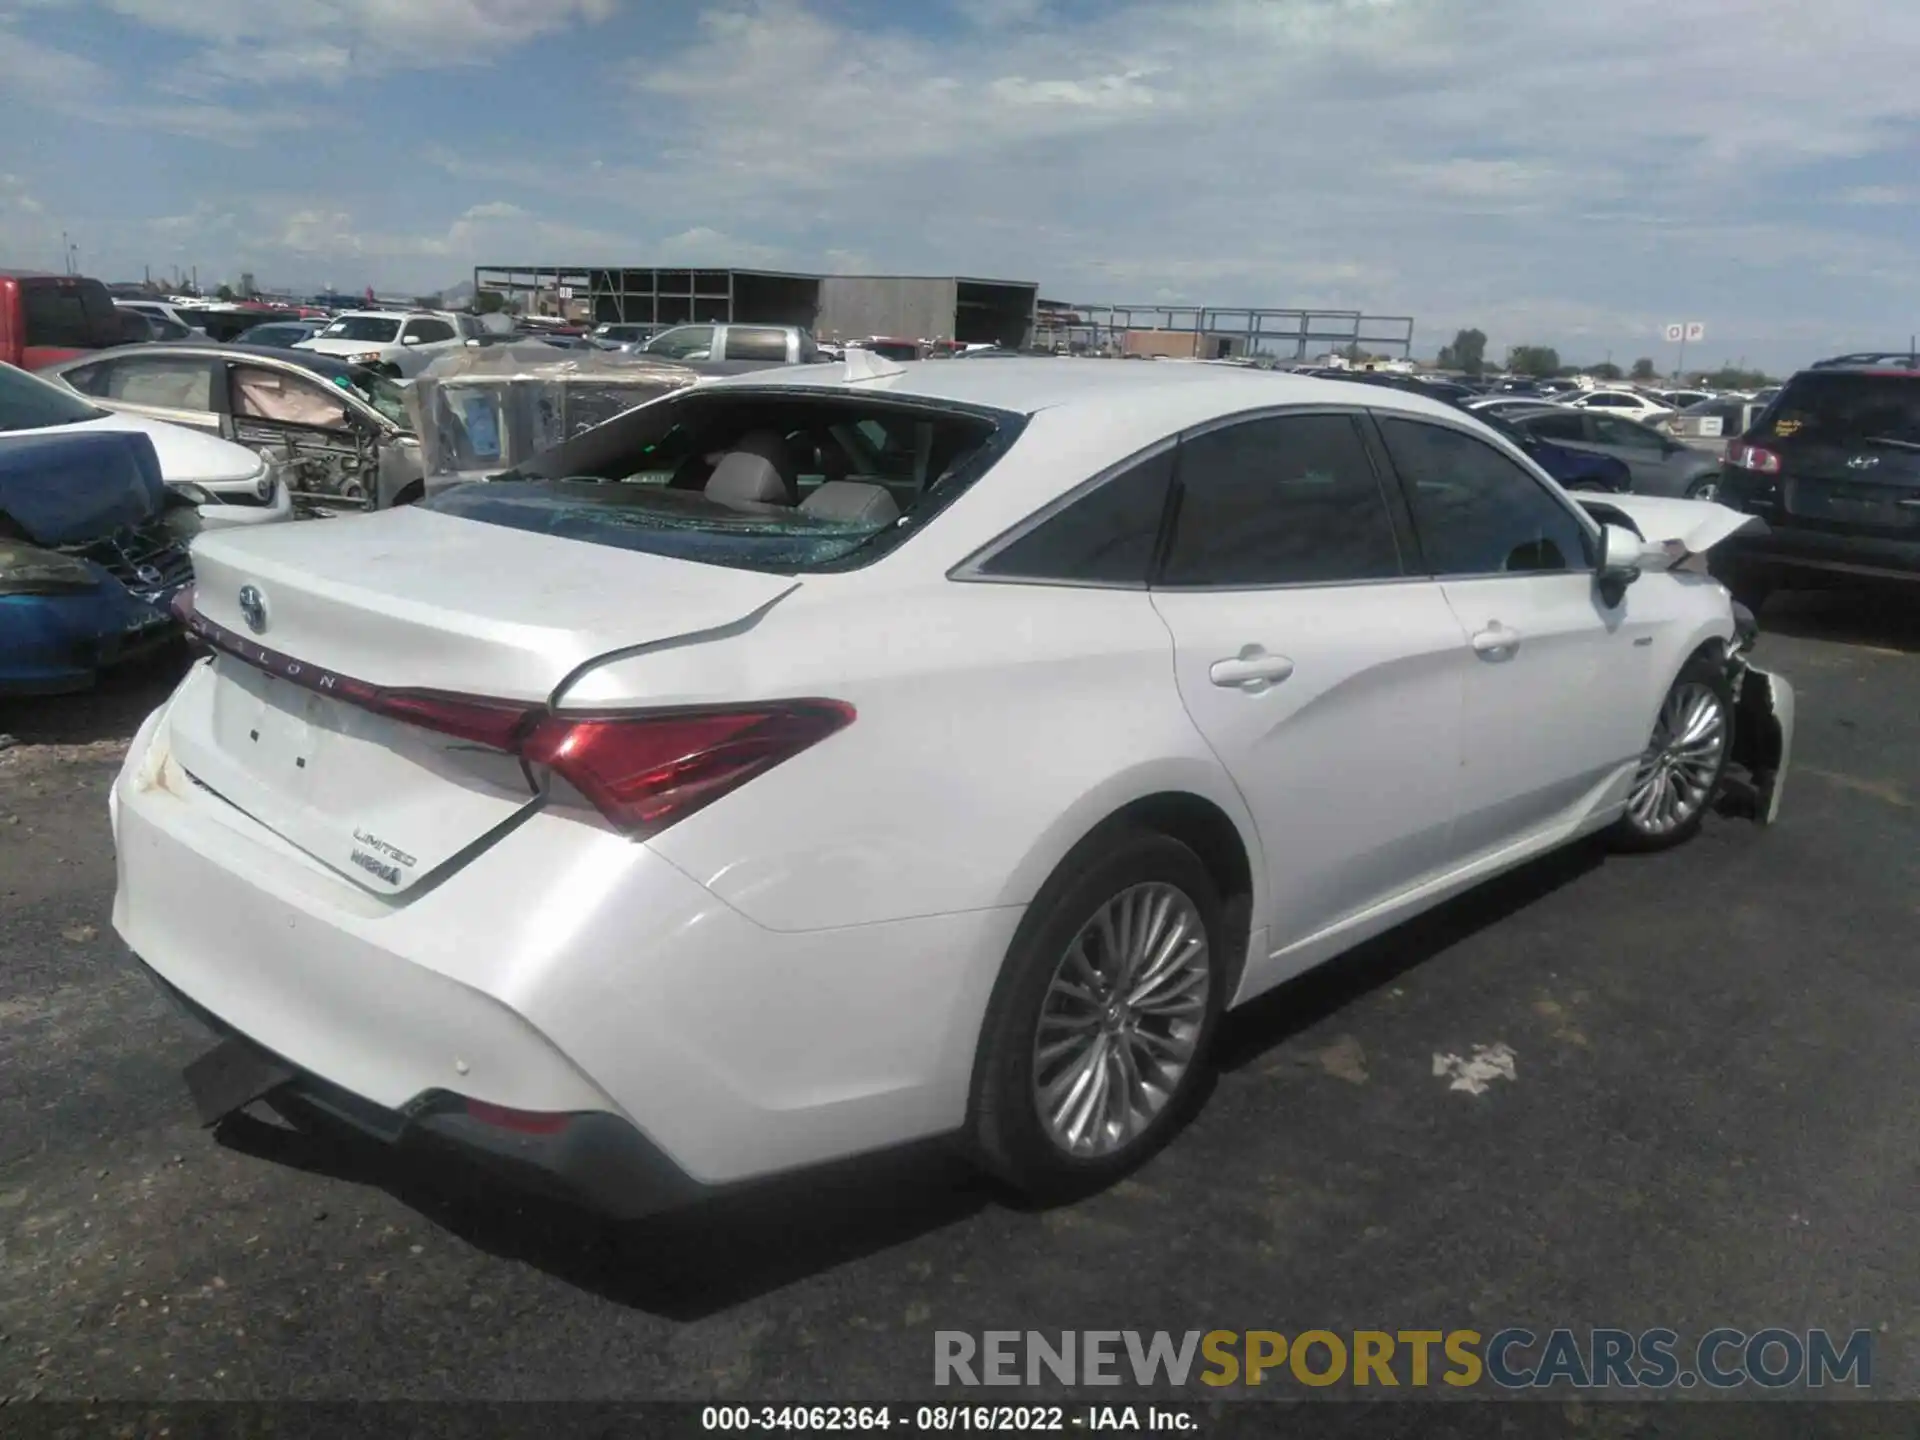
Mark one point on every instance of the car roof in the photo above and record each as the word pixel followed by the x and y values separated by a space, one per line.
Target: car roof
pixel 1167 394
pixel 327 365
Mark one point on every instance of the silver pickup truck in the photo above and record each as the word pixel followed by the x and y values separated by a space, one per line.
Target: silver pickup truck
pixel 733 347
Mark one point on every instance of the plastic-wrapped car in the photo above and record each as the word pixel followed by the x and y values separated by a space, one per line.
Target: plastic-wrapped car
pixel 485 409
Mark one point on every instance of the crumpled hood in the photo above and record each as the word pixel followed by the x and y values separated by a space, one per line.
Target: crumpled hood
pixel 1696 526
pixel 69 488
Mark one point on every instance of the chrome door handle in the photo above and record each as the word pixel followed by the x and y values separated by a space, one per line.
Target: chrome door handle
pixel 1252 669
pixel 1496 642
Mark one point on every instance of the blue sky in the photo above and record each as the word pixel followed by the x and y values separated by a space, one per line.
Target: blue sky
pixel 1553 171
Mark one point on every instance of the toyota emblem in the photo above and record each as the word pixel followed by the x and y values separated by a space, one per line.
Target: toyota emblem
pixel 253 608
pixel 147 575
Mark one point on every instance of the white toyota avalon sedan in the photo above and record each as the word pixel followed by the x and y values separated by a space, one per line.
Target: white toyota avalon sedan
pixel 819 760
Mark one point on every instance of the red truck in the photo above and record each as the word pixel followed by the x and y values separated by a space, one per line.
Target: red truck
pixel 45 319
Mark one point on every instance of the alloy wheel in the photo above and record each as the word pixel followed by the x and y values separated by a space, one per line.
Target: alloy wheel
pixel 1121 1021
pixel 1682 762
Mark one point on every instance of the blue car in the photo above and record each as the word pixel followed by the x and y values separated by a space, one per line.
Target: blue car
pixel 89 560
pixel 1574 469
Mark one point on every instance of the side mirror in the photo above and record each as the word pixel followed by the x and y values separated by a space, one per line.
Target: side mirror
pixel 1619 567
pixel 409 339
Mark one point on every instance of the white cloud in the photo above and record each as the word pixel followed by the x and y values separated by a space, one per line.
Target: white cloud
pixel 1571 173
pixel 328 41
pixel 1880 195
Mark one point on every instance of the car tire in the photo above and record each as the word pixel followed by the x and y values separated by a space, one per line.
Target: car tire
pixel 1686 756
pixel 1120 875
pixel 1704 487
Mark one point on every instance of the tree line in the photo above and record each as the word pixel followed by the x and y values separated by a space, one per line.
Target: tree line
pixel 1468 354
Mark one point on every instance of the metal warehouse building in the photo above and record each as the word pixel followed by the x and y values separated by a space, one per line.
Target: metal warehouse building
pixel 834 307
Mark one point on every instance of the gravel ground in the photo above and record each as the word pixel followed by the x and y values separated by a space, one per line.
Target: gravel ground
pixel 1712 1121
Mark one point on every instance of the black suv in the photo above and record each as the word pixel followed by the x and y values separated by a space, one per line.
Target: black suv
pixel 1833 467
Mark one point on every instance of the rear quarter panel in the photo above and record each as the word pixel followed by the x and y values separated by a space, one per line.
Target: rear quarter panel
pixel 997 725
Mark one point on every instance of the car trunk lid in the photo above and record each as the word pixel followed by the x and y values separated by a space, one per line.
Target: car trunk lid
pixel 330 634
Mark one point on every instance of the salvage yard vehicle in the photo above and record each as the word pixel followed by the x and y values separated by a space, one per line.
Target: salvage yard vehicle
pixel 280 334
pixel 1833 468
pixel 340 433
pixel 399 342
pixel 232 484
pixel 1628 403
pixel 1709 424
pixel 88 562
pixel 481 410
pixel 48 318
pixel 1658 463
pixel 168 315
pixel 804 764
pixel 742 347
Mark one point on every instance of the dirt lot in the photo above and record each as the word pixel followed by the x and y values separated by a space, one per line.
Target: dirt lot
pixel 1712 1121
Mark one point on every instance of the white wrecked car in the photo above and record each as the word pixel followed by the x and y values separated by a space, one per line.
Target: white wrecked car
pixel 818 760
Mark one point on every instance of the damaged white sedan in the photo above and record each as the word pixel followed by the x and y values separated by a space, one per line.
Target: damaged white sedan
pixel 820 760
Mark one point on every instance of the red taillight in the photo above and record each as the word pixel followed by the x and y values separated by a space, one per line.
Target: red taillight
pixel 1752 457
pixel 645 772
pixel 642 770
pixel 524 1122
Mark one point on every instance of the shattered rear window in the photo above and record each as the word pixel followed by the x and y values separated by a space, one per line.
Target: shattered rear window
pixel 683 525
pixel 832 481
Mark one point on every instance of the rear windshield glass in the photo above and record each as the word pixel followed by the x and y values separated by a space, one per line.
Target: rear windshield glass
pixel 777 482
pixel 1843 408
pixel 362 327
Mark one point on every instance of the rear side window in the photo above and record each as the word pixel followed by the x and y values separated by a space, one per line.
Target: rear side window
pixel 429 332
pixel 1288 500
pixel 1841 408
pixel 1105 537
pixel 756 342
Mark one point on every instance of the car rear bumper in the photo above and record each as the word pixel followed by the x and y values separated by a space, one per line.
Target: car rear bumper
pixel 591 1158
pixel 1785 548
pixel 560 971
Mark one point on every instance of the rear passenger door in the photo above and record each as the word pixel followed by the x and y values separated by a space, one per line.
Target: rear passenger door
pixel 1326 674
pixel 175 388
pixel 1558 680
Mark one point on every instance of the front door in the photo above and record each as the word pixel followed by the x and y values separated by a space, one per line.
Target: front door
pixel 327 457
pixel 1327 677
pixel 1554 718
